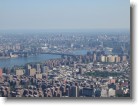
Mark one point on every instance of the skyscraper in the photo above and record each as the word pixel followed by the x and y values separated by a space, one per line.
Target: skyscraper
pixel 38 68
pixel 94 57
pixel 0 72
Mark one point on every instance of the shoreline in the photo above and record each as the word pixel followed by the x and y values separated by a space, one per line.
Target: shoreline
pixel 4 58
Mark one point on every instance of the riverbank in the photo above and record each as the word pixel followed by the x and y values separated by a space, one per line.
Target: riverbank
pixel 4 58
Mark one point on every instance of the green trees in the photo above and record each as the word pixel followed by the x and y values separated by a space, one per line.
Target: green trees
pixel 103 74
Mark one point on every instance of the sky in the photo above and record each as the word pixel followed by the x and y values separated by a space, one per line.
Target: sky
pixel 64 14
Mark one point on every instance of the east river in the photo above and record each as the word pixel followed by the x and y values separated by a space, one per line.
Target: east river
pixel 10 62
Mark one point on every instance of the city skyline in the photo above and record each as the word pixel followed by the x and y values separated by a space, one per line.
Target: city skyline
pixel 60 65
pixel 62 14
pixel 66 49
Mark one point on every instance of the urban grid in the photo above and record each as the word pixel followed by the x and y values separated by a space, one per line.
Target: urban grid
pixel 103 71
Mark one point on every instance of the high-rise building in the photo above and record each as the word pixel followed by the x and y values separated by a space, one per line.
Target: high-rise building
pixel 103 58
pixel 110 58
pixel 117 59
pixel 32 72
pixel 45 69
pixel 106 59
pixel 97 92
pixel 88 92
pixel 104 93
pixel 38 68
pixel 19 72
pixel 28 67
pixel 75 65
pixel 39 76
pixel 124 58
pixel 81 71
pixel 73 91
pixel 112 81
pixel 94 57
pixel 1 80
pixel 0 72
pixel 111 92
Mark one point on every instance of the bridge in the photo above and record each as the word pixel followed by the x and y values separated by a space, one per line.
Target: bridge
pixel 55 53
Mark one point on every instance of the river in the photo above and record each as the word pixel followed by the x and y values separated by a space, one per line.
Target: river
pixel 10 62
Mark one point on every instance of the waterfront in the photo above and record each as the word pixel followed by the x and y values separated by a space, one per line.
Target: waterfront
pixel 10 62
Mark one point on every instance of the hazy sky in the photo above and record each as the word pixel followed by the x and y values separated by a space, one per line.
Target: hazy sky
pixel 64 14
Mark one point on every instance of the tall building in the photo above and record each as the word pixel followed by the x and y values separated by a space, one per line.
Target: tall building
pixel 38 68
pixel 75 65
pixel 117 59
pixel 88 92
pixel 73 91
pixel 110 58
pixel 1 80
pixel 111 92
pixel 0 72
pixel 104 92
pixel 39 76
pixel 81 71
pixel 28 67
pixel 45 69
pixel 19 72
pixel 97 92
pixel 32 72
pixel 124 58
pixel 111 80
pixel 94 57
pixel 106 59
pixel 103 58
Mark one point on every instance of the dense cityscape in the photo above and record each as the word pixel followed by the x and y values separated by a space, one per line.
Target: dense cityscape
pixel 103 71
